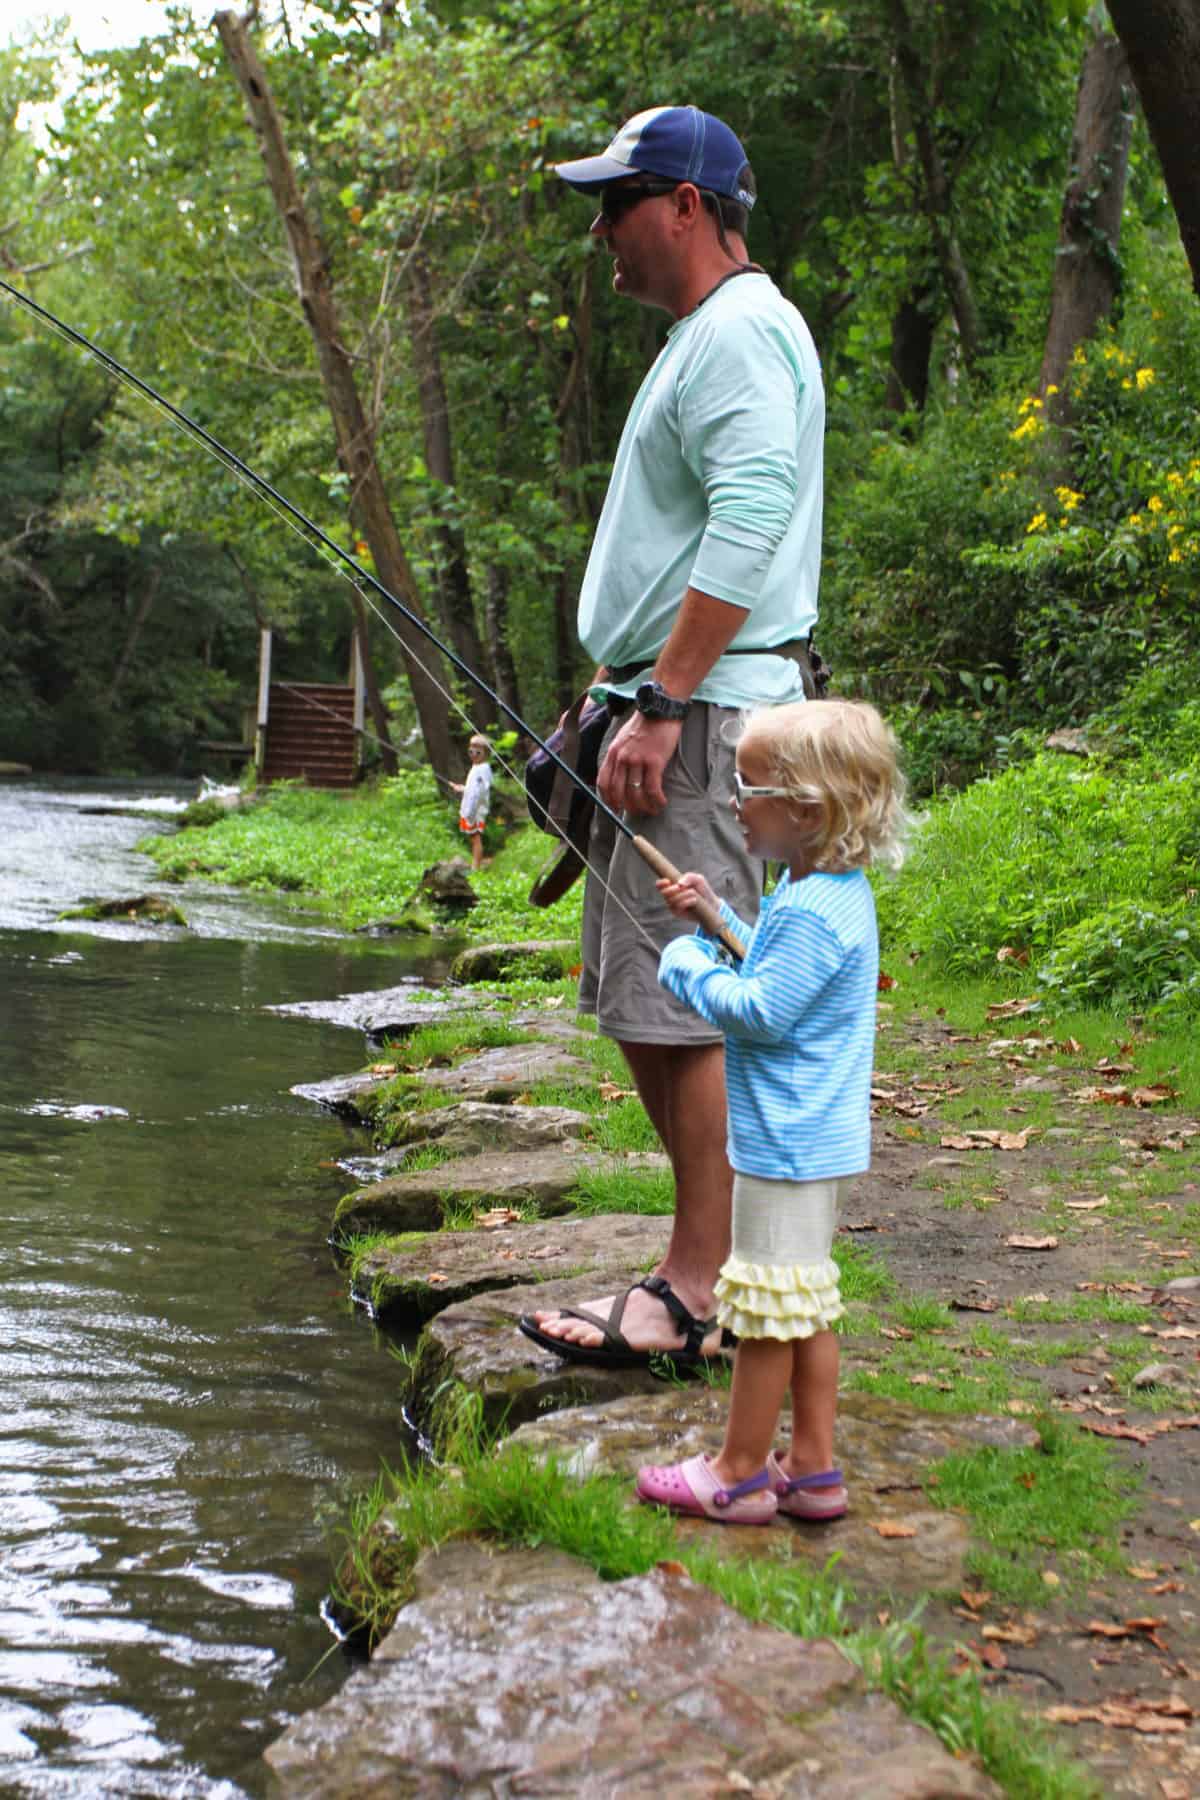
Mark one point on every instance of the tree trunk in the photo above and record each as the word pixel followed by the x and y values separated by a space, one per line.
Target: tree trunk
pixel 913 325
pixel 936 187
pixel 355 446
pixel 1087 270
pixel 496 605
pixel 456 606
pixel 1162 42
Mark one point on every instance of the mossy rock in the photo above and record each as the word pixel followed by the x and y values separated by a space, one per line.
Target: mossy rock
pixel 544 959
pixel 148 909
pixel 414 919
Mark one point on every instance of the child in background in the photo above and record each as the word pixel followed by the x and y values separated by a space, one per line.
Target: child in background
pixel 476 794
pixel 817 787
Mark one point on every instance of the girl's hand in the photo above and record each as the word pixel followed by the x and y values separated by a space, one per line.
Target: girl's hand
pixel 681 896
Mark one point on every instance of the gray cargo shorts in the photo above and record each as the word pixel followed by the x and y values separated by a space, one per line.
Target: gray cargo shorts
pixel 697 831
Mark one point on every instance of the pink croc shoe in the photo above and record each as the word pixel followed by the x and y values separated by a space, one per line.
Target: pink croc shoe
pixel 690 1487
pixel 812 1497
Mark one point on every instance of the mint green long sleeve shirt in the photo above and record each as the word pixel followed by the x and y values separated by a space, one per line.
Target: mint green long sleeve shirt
pixel 717 485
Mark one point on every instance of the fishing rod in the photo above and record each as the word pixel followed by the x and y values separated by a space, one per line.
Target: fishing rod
pixel 707 915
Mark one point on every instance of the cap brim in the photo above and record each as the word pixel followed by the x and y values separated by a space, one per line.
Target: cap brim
pixel 591 173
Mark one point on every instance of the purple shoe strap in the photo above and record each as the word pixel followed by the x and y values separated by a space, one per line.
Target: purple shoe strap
pixel 753 1484
pixel 830 1478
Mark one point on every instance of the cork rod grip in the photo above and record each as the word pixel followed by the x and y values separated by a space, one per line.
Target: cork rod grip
pixel 706 915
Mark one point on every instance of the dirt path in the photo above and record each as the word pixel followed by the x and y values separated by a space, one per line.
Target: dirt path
pixel 1052 1271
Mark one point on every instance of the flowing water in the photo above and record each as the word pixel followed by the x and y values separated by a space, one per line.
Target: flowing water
pixel 184 1389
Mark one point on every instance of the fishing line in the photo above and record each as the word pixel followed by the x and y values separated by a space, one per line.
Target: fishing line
pixel 347 567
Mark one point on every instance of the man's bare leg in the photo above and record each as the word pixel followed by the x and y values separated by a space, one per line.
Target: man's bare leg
pixel 682 1088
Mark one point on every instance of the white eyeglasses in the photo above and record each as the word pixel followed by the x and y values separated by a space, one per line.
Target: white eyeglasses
pixel 742 792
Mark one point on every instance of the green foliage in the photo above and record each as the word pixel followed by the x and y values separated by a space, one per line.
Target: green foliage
pixel 1083 872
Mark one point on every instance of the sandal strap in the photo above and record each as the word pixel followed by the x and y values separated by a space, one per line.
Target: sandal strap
pixel 695 1330
pixel 753 1484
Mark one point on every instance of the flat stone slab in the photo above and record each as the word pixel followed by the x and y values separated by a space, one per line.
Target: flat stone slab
pixel 477 1125
pixel 886 1449
pixel 503 1074
pixel 404 1287
pixel 521 1672
pixel 388 1012
pixel 477 1343
pixel 345 1095
pixel 538 1179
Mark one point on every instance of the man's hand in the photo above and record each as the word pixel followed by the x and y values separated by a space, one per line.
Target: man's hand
pixel 631 774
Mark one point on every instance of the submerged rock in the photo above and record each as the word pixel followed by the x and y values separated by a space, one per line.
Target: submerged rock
pixel 393 1012
pixel 148 909
pixel 407 1284
pixel 538 1180
pixel 545 958
pixel 521 1672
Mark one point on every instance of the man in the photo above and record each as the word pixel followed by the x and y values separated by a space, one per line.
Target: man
pixel 699 596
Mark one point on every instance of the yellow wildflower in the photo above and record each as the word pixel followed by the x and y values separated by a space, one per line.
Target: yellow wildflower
pixel 1143 378
pixel 1174 479
pixel 1030 403
pixel 1037 523
pixel 1134 519
pixel 1030 428
pixel 1176 556
pixel 1067 498
pixel 1079 356
pixel 1154 503
pixel 1127 383
pixel 1052 389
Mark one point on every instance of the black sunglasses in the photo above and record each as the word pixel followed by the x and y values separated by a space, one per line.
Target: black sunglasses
pixel 616 201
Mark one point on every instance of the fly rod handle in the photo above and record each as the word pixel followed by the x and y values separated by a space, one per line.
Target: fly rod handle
pixel 706 915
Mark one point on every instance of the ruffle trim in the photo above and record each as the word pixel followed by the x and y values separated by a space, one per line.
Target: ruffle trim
pixel 785 1301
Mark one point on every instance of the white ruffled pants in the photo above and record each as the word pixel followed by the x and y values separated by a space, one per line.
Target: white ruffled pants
pixel 781 1280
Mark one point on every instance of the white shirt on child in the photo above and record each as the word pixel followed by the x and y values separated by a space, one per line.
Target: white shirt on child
pixel 477 794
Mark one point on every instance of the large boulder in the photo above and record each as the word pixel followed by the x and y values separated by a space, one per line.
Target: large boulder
pixel 545 959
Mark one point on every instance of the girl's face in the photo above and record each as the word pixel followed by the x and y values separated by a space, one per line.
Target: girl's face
pixel 775 828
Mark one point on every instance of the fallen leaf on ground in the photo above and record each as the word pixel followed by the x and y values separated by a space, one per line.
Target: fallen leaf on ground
pixel 496 1217
pixel 381 1068
pixel 892 1528
pixel 1130 1628
pixel 1179 1331
pixel 992 1657
pixel 975 1598
pixel 1070 1047
pixel 1153 1096
pixel 953 1140
pixel 1020 1406
pixel 437 1278
pixel 1051 1579
pixel 1143 1572
pixel 1115 1431
pixel 554 1002
pixel 861 1225
pixel 1133 1715
pixel 1019 1241
pixel 1003 1140
pixel 894 1331
pixel 968 1305
pixel 1007 953
pixel 1085 1205
pixel 1171 1788
pixel 608 1090
pixel 886 983
pixel 1011 1634
pixel 1012 1009
pixel 1103 1096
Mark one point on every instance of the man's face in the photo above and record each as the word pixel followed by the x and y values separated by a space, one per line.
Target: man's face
pixel 633 224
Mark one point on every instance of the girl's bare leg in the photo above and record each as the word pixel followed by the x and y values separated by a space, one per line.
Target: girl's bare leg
pixel 477 850
pixel 762 1369
pixel 814 1376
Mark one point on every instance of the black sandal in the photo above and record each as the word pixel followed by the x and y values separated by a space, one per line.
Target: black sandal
pixel 616 1352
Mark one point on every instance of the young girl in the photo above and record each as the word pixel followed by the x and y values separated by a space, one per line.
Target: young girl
pixel 817 787
pixel 476 794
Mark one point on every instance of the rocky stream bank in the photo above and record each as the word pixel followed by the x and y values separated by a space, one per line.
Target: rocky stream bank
pixel 516 1670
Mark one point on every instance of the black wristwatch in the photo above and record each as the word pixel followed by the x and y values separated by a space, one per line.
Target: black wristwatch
pixel 653 702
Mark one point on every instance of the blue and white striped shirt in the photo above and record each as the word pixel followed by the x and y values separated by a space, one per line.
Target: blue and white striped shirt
pixel 799 1023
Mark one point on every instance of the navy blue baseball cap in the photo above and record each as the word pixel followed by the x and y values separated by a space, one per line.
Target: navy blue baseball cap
pixel 678 143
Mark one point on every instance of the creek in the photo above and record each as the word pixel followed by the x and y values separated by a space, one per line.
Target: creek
pixel 188 1399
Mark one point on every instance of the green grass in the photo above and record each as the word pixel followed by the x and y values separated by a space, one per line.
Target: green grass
pixel 521 1500
pixel 642 1191
pixel 1060 1505
pixel 450 1039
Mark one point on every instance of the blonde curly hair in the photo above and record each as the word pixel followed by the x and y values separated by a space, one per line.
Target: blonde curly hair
pixel 839 755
